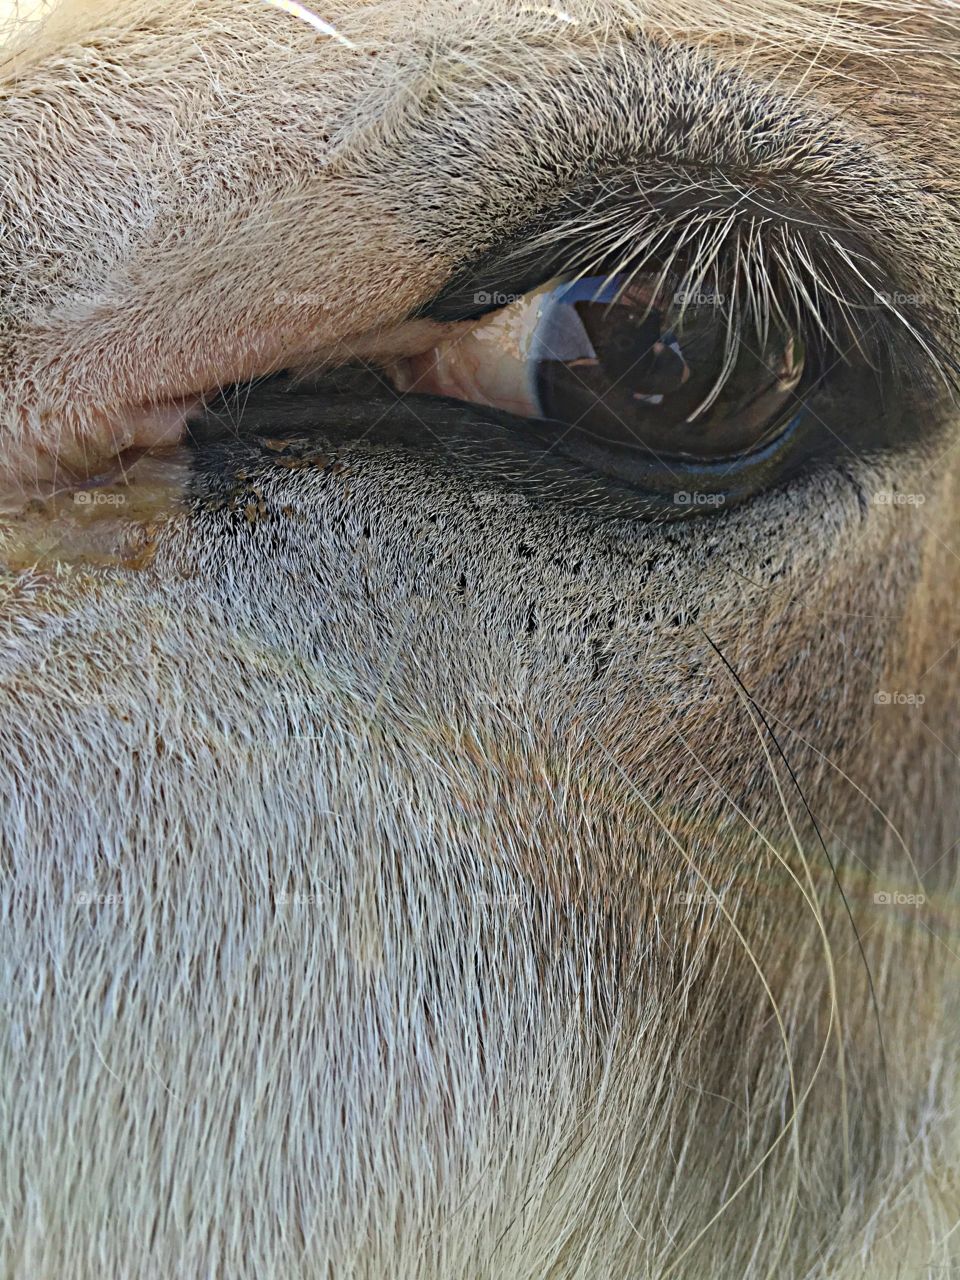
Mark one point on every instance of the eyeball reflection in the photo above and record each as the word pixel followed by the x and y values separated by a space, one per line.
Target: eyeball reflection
pixel 631 364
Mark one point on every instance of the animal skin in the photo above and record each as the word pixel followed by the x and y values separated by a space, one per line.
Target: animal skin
pixel 421 859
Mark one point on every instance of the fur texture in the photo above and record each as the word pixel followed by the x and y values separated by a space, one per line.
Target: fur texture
pixel 403 874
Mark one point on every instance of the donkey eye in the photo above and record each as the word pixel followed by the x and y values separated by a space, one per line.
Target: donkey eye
pixel 626 365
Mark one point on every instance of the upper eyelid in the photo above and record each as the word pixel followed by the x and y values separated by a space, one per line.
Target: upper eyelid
pixel 564 236
pixel 868 282
pixel 791 158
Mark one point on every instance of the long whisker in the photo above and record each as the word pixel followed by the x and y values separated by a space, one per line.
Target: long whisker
pixel 830 862
pixel 790 1126
pixel 888 821
pixel 810 898
pixel 831 966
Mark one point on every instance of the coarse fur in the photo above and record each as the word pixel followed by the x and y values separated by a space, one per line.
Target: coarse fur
pixel 410 872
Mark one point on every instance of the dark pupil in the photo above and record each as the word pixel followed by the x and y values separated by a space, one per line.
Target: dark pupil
pixel 641 370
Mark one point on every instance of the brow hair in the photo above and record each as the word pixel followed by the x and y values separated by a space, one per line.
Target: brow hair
pixel 821 224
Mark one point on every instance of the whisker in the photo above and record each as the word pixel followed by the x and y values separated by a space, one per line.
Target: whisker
pixel 830 862
pixel 790 1126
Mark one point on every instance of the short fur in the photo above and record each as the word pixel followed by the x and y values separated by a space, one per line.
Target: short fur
pixel 403 873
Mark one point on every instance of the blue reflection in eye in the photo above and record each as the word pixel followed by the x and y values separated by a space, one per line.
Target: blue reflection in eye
pixel 639 364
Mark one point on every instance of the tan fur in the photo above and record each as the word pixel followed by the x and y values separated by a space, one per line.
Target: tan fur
pixel 397 882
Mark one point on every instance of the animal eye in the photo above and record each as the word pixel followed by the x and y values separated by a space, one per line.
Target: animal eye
pixel 634 365
pixel 680 396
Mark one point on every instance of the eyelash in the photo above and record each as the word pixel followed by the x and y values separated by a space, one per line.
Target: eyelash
pixel 761 267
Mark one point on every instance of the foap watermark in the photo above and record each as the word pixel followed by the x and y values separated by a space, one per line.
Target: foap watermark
pixel 284 899
pixel 699 298
pixel 894 298
pixel 92 898
pixel 893 498
pixel 897 98
pixel 98 498
pixel 891 898
pixel 484 299
pixel 299 298
pixel 698 898
pixel 684 499
pixel 894 698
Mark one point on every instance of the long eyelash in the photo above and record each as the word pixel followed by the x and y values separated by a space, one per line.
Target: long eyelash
pixel 768 270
